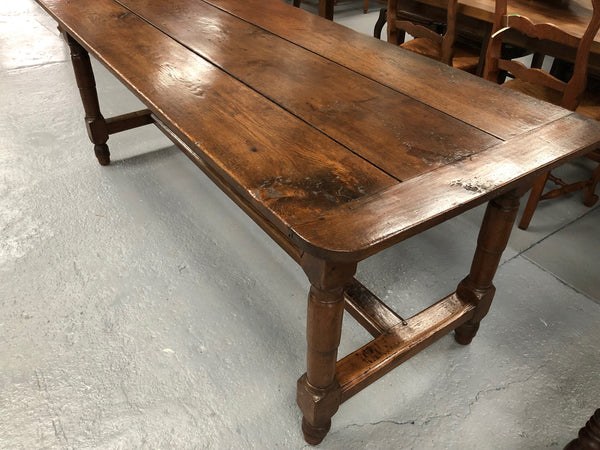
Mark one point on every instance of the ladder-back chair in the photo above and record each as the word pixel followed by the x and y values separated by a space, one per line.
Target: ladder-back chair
pixel 427 42
pixel 570 94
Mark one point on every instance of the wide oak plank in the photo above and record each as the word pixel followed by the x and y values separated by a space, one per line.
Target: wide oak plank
pixel 405 210
pixel 489 107
pixel 360 113
pixel 286 168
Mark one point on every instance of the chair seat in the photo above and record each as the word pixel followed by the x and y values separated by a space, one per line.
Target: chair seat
pixel 465 58
pixel 588 106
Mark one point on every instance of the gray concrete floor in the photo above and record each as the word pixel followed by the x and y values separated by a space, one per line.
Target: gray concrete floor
pixel 141 309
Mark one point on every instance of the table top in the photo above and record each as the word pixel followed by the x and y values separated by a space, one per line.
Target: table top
pixel 344 143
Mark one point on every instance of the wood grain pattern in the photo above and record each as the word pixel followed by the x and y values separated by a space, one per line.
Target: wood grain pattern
pixel 404 210
pixel 287 168
pixel 494 110
pixel 341 110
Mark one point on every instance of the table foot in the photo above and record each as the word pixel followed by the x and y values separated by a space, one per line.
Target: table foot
pixel 314 435
pixel 465 333
pixel 102 154
pixel 318 406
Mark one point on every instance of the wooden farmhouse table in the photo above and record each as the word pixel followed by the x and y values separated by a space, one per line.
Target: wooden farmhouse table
pixel 338 145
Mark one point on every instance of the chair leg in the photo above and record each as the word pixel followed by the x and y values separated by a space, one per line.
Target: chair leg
pixel 394 35
pixel 297 3
pixel 484 46
pixel 537 61
pixel 366 8
pixel 381 20
pixel 589 197
pixel 326 8
pixel 534 199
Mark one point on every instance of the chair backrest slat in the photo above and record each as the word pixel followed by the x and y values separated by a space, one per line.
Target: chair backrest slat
pixel 416 30
pixel 535 76
pixel 420 31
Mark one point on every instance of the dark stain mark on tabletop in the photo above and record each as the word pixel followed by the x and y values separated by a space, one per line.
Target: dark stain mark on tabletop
pixel 321 187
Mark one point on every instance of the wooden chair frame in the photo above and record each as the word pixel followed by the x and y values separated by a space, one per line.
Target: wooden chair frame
pixel 571 90
pixel 417 30
pixel 297 3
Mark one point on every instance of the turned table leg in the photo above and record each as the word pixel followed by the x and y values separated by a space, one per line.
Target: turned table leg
pixel 95 123
pixel 477 287
pixel 319 396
